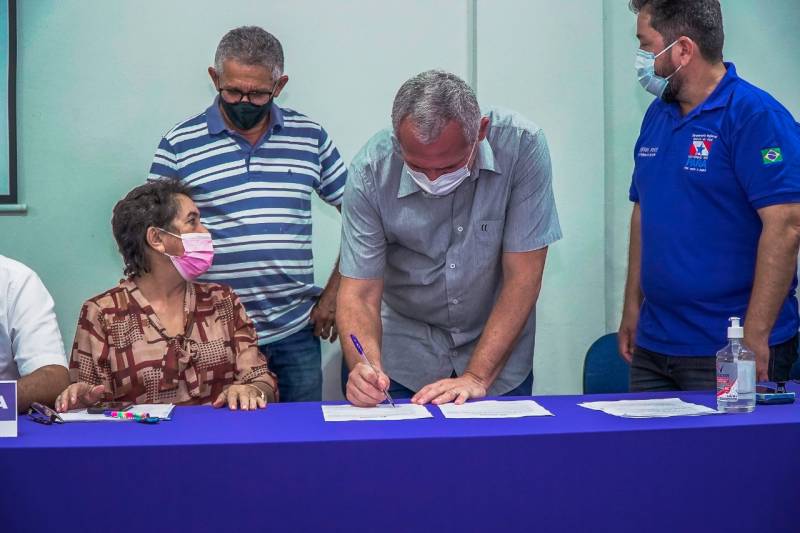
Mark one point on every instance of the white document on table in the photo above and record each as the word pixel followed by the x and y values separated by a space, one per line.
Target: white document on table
pixel 660 408
pixel 347 413
pixel 494 409
pixel 160 410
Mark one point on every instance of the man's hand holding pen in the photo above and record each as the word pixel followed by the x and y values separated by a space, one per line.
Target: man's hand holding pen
pixel 366 385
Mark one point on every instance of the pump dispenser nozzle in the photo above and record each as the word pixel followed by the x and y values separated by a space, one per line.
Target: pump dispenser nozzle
pixel 735 331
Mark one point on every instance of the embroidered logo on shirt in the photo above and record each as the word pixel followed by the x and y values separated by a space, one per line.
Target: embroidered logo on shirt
pixel 699 151
pixel 770 156
pixel 648 151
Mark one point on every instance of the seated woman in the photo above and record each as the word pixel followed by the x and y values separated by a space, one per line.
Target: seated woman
pixel 159 337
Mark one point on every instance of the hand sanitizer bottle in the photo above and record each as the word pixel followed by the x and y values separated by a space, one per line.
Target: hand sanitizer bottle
pixel 736 373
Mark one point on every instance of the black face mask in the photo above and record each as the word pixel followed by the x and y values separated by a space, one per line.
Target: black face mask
pixel 245 115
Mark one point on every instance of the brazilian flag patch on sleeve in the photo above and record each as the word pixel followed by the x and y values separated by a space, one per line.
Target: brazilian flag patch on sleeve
pixel 770 156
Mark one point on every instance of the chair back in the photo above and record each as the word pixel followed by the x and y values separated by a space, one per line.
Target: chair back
pixel 604 371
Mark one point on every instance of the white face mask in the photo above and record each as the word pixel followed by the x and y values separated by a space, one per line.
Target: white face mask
pixel 645 71
pixel 446 183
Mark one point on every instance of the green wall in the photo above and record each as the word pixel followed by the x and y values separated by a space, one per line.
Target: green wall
pixel 4 178
pixel 548 64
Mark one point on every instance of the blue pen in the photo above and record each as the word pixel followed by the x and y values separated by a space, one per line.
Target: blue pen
pixel 360 351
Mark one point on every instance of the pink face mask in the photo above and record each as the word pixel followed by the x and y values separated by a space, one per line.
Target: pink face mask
pixel 198 254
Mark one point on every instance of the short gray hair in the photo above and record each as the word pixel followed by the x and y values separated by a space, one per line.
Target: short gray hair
pixel 433 98
pixel 251 45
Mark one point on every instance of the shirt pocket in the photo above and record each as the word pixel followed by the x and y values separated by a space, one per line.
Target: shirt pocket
pixel 488 241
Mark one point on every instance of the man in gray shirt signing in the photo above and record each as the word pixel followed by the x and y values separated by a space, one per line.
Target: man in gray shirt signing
pixel 446 224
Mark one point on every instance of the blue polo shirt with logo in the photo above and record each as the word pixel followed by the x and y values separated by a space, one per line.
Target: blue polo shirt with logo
pixel 700 180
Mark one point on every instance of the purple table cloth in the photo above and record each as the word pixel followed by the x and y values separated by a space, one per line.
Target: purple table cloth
pixel 285 469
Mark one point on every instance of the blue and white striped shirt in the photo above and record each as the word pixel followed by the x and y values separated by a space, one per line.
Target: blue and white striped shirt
pixel 256 202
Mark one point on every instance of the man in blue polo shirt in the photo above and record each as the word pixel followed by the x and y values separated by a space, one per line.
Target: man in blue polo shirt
pixel 253 166
pixel 715 228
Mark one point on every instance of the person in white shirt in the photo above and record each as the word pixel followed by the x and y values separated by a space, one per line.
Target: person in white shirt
pixel 31 349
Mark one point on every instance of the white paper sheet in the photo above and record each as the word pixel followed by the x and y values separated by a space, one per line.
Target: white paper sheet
pixel 660 408
pixel 160 410
pixel 494 409
pixel 346 413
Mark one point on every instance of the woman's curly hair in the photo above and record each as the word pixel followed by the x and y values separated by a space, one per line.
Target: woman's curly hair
pixel 152 204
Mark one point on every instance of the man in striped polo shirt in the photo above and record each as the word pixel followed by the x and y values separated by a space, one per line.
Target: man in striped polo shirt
pixel 252 166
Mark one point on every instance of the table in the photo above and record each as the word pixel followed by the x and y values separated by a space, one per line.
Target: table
pixel 285 469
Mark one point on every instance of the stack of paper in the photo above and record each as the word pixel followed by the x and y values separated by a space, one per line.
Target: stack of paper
pixel 494 409
pixel 346 413
pixel 160 410
pixel 650 408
